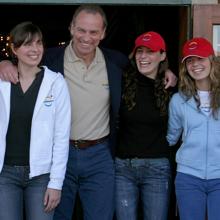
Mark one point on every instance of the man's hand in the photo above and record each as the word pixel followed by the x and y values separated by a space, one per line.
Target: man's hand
pixel 170 79
pixel 51 199
pixel 8 71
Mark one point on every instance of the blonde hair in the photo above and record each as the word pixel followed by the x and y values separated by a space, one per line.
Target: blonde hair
pixel 187 85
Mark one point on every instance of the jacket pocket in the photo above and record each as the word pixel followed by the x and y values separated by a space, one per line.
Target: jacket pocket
pixel 213 150
pixel 192 151
pixel 42 141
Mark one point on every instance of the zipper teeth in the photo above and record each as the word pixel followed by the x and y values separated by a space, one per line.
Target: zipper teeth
pixel 206 156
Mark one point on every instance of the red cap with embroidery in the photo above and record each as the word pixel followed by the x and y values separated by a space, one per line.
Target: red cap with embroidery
pixel 151 40
pixel 198 47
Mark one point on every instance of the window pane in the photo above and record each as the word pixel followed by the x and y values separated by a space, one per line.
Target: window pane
pixel 216 39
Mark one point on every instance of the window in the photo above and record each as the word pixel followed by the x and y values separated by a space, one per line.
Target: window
pixel 216 39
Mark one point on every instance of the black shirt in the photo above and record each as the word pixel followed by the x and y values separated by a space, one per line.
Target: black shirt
pixel 142 131
pixel 19 128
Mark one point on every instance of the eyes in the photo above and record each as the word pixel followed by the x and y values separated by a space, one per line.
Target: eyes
pixel 91 32
pixel 141 50
pixel 191 60
pixel 32 43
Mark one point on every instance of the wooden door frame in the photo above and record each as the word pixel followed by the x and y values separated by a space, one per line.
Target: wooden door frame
pixel 204 16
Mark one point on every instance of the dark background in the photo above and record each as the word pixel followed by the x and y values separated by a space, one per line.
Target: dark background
pixel 125 24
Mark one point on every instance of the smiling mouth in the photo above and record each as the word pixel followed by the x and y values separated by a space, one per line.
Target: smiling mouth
pixel 33 56
pixel 144 64
pixel 84 45
pixel 198 70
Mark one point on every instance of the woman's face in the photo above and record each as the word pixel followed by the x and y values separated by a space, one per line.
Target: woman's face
pixel 199 69
pixel 30 53
pixel 148 61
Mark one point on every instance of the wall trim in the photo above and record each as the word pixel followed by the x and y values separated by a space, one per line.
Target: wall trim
pixel 103 2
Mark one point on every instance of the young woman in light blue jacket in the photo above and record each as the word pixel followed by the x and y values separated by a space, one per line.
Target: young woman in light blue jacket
pixel 194 113
pixel 34 132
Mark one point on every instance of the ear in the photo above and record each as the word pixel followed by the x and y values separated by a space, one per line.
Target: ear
pixel 103 34
pixel 163 56
pixel 71 29
pixel 13 49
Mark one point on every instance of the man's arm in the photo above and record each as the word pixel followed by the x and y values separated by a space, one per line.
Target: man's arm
pixel 8 71
pixel 170 79
pixel 53 58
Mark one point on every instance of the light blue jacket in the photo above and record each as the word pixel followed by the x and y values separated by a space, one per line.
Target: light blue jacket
pixel 199 153
pixel 50 129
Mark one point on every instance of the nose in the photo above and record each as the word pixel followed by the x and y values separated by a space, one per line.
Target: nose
pixel 195 61
pixel 143 54
pixel 86 36
pixel 35 47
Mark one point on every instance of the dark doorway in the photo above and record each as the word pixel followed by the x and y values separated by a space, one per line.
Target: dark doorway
pixel 125 23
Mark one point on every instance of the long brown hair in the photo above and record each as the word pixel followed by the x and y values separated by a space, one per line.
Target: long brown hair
pixel 188 88
pixel 162 96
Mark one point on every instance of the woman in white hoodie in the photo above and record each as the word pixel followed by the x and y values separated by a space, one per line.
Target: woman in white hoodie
pixel 34 132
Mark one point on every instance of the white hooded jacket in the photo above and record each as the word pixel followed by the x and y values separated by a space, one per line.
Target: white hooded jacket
pixel 50 129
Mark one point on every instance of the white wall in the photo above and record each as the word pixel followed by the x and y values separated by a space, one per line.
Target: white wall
pixel 200 2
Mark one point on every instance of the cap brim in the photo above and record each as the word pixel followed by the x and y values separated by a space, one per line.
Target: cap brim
pixel 192 56
pixel 135 48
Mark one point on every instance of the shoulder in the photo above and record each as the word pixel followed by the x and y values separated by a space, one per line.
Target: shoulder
pixel 176 96
pixel 115 56
pixel 4 83
pixel 54 51
pixel 52 75
pixel 53 54
pixel 177 99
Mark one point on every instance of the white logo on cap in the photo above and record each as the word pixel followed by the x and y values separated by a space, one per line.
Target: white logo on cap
pixel 146 37
pixel 193 45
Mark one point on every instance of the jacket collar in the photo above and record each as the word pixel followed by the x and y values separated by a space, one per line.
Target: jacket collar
pixel 46 85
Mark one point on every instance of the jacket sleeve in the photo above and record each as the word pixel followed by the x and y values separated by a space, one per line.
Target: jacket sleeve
pixel 175 121
pixel 61 134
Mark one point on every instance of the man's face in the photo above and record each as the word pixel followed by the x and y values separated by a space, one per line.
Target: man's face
pixel 87 31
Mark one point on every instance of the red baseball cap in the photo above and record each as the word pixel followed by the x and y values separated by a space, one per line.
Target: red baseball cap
pixel 151 40
pixel 198 47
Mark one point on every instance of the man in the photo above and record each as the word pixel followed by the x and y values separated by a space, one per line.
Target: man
pixel 93 76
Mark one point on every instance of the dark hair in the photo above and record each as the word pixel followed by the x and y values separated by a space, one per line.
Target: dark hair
pixel 91 9
pixel 24 32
